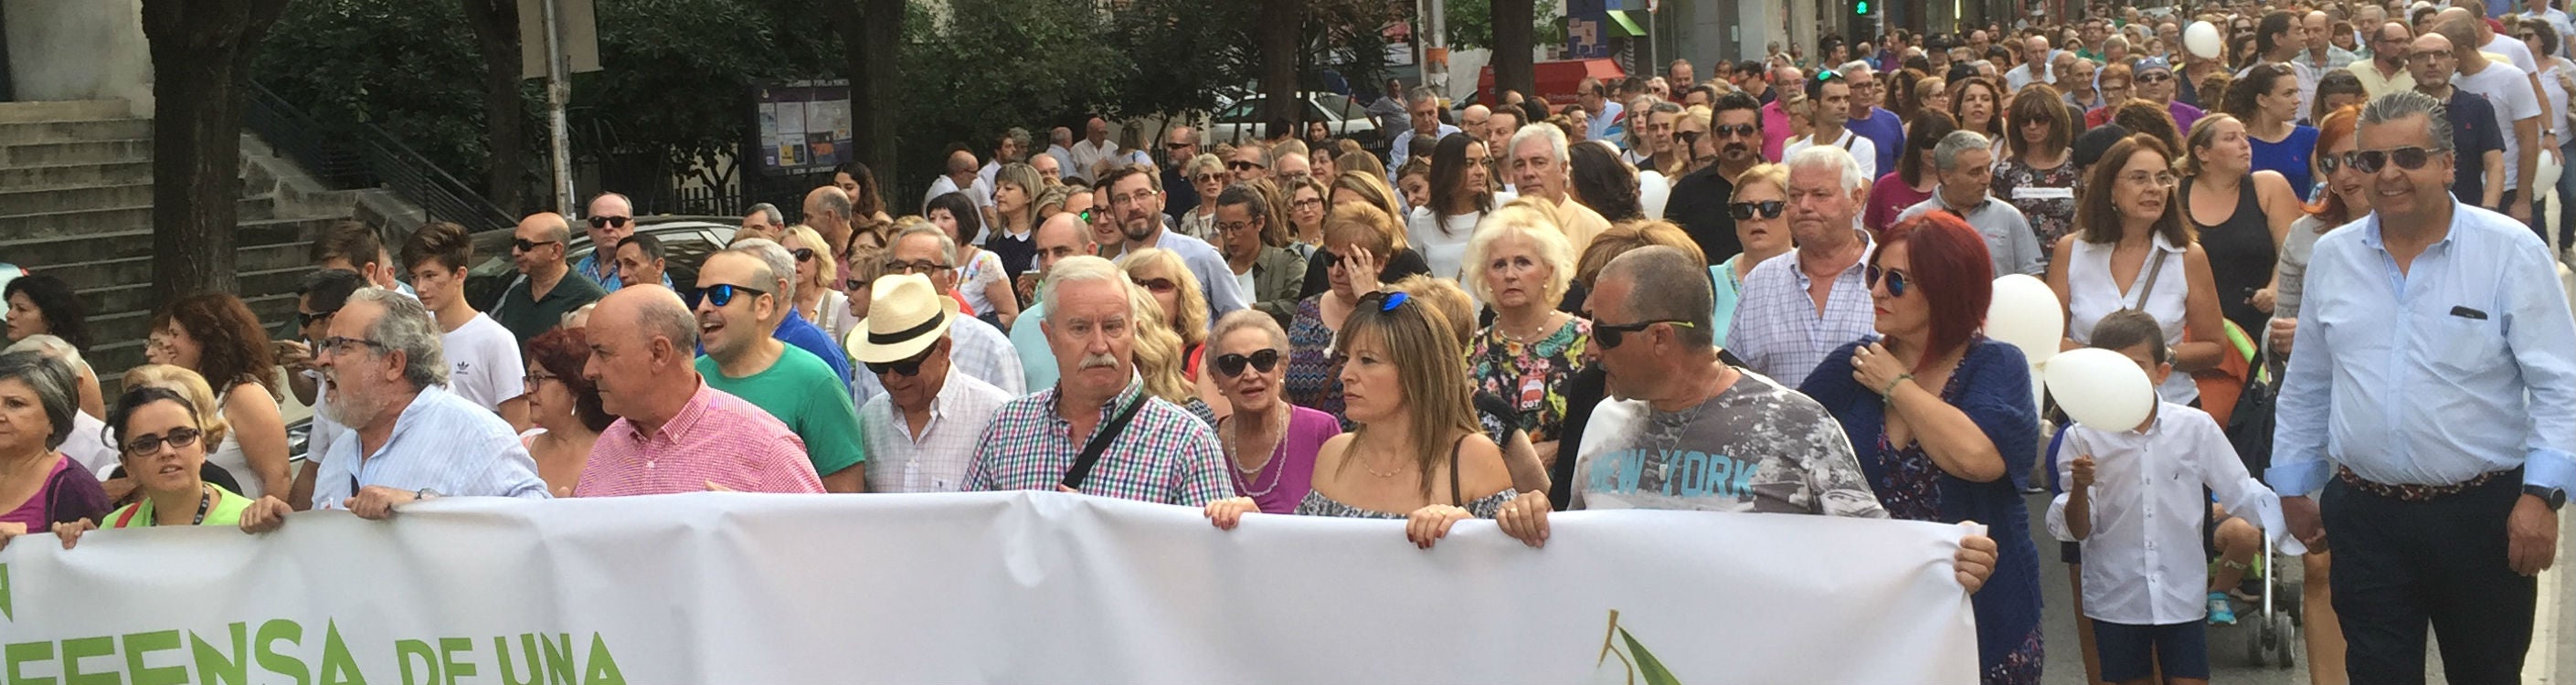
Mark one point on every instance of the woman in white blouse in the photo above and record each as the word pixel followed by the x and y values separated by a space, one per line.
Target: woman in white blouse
pixel 2131 251
pixel 1460 197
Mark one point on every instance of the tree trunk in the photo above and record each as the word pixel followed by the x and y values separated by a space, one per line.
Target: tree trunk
pixel 201 54
pixel 1514 36
pixel 871 30
pixel 505 123
pixel 1282 27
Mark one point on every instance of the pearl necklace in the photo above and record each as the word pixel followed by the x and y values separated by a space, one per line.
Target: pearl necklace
pixel 1252 477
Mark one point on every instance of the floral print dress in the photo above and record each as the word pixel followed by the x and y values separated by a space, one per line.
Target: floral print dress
pixel 1314 379
pixel 1531 377
pixel 2045 196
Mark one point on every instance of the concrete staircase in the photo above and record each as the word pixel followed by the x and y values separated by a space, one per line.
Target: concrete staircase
pixel 76 203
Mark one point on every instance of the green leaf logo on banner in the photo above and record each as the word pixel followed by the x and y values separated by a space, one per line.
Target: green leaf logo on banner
pixel 1636 665
pixel 7 611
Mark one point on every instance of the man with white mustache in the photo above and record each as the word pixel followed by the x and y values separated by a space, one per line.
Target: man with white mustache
pixel 385 378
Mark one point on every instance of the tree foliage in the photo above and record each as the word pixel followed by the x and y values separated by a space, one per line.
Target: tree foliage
pixel 1471 24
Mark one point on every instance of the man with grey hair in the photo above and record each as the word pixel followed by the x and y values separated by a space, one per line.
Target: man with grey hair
pixel 1095 146
pixel 1060 146
pixel 385 376
pixel 981 350
pixel 1540 167
pixel 538 298
pixel 763 221
pixel 1097 431
pixel 959 179
pixel 2430 399
pixel 1885 132
pixel 2035 66
pixel 829 212
pixel 1424 112
pixel 1965 161
pixel 1795 309
pixel 674 432
pixel 744 293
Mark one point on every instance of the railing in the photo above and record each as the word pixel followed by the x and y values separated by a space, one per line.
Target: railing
pixel 356 155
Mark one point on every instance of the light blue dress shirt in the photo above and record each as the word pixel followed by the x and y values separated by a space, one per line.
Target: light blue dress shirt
pixel 2461 365
pixel 1216 280
pixel 441 442
pixel 1037 360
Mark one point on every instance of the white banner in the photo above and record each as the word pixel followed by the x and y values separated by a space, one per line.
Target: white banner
pixel 989 587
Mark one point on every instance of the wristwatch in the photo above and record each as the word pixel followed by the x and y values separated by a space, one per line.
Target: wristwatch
pixel 425 493
pixel 2556 498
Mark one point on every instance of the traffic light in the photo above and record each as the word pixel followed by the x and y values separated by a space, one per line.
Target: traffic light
pixel 1860 7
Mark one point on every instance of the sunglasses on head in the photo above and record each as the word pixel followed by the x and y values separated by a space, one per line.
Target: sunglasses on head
pixel 609 221
pixel 723 294
pixel 904 367
pixel 1386 301
pixel 1611 336
pixel 2409 158
pixel 1896 280
pixel 1769 209
pixel 1233 364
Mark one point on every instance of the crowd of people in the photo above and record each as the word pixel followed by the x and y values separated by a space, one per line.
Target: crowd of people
pixel 1762 292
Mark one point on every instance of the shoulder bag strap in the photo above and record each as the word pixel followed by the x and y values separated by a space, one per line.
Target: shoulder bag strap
pixel 2155 267
pixel 1100 440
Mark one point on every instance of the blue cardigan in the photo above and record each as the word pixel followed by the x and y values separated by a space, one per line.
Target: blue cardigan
pixel 1992 384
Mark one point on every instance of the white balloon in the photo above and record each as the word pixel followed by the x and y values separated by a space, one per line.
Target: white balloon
pixel 2025 312
pixel 2203 40
pixel 1652 192
pixel 2101 388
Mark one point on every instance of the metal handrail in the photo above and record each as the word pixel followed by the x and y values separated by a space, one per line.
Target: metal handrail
pixel 355 154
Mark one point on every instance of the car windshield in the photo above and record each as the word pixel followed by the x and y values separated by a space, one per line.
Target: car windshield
pixel 1340 106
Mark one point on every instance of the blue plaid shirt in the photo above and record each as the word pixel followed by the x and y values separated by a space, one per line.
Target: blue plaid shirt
pixel 1777 331
pixel 1166 455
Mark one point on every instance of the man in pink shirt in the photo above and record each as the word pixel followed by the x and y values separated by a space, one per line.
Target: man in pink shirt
pixel 675 434
pixel 1775 121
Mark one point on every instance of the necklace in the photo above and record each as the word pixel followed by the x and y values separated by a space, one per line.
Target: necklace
pixel 1252 477
pixel 1536 333
pixel 1372 469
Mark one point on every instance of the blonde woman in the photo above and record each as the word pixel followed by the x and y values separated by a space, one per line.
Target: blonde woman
pixel 1158 353
pixel 1207 175
pixel 1162 274
pixel 818 299
pixel 1520 264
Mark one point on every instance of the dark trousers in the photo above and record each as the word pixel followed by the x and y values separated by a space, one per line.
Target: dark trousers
pixel 2401 565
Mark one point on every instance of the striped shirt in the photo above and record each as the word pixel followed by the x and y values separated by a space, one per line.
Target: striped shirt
pixel 936 461
pixel 441 442
pixel 1777 331
pixel 715 438
pixel 1165 455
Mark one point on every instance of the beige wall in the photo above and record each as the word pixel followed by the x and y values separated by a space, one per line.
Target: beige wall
pixel 79 50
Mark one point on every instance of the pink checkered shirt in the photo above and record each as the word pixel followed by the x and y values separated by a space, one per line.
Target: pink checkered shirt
pixel 716 438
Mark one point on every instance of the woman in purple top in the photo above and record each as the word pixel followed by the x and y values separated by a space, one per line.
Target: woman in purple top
pixel 39 487
pixel 1270 443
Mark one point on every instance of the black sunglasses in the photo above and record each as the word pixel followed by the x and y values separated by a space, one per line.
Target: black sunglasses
pixel 723 294
pixel 1769 209
pixel 1233 364
pixel 2409 158
pixel 177 437
pixel 608 221
pixel 1896 280
pixel 1735 130
pixel 1611 336
pixel 904 367
pixel 1239 165
pixel 303 318
pixel 524 245
pixel 803 254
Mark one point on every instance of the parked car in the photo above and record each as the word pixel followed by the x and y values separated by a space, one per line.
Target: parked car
pixel 686 242
pixel 1346 118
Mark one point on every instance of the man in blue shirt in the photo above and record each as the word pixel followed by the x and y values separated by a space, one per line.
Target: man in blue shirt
pixel 2431 397
pixel 386 379
pixel 612 218
pixel 1869 120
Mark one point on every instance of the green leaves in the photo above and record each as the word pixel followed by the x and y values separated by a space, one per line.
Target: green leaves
pixel 1653 670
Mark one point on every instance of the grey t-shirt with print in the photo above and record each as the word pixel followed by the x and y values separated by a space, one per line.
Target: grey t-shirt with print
pixel 1756 447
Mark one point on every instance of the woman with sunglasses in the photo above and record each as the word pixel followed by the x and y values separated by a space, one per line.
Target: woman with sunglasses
pixel 818 293
pixel 1159 352
pixel 565 406
pixel 161 441
pixel 2346 199
pixel 1691 133
pixel 980 277
pixel 1185 312
pixel 1461 194
pixel 1355 235
pixel 1523 266
pixel 1914 178
pixel 1270 442
pixel 1208 176
pixel 1941 416
pixel 2038 178
pixel 2130 250
pixel 1761 199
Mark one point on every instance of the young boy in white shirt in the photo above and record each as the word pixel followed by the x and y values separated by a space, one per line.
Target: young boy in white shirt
pixel 2134 500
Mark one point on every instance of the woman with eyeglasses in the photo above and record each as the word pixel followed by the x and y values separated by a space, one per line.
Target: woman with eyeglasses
pixel 565 406
pixel 215 335
pixel 1460 196
pixel 40 489
pixel 980 277
pixel 1270 443
pixel 161 441
pixel 1941 416
pixel 191 387
pixel 818 293
pixel 2130 250
pixel 1761 198
pixel 1305 217
pixel 1356 235
pixel 1914 178
pixel 2038 178
pixel 1523 266
pixel 1932 94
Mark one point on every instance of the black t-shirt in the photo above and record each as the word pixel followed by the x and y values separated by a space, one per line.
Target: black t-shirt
pixel 2473 133
pixel 1699 203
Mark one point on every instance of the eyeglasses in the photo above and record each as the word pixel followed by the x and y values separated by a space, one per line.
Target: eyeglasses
pixel 2409 158
pixel 1233 226
pixel 1305 203
pixel 1208 178
pixel 176 438
pixel 2162 178
pixel 609 221
pixel 1735 130
pixel 723 294
pixel 1233 364
pixel 1135 198
pixel 1896 280
pixel 530 381
pixel 1240 165
pixel 1769 209
pixel 1179 146
pixel 903 367
pixel 1688 137
pixel 305 318
pixel 924 267
pixel 2154 77
pixel 340 344
pixel 1157 286
pixel 523 245
pixel 1611 336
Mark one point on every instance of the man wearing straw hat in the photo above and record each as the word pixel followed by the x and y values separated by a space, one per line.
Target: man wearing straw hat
pixel 922 431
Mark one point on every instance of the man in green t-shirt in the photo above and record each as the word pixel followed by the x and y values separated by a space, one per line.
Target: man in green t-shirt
pixel 743 294
pixel 542 294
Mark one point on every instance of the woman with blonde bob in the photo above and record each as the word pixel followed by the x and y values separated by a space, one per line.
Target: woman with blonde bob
pixel 1520 264
pixel 1158 356
pixel 1162 274
pixel 818 298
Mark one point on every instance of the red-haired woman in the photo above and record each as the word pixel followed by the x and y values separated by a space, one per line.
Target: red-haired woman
pixel 1940 416
pixel 215 335
pixel 565 407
